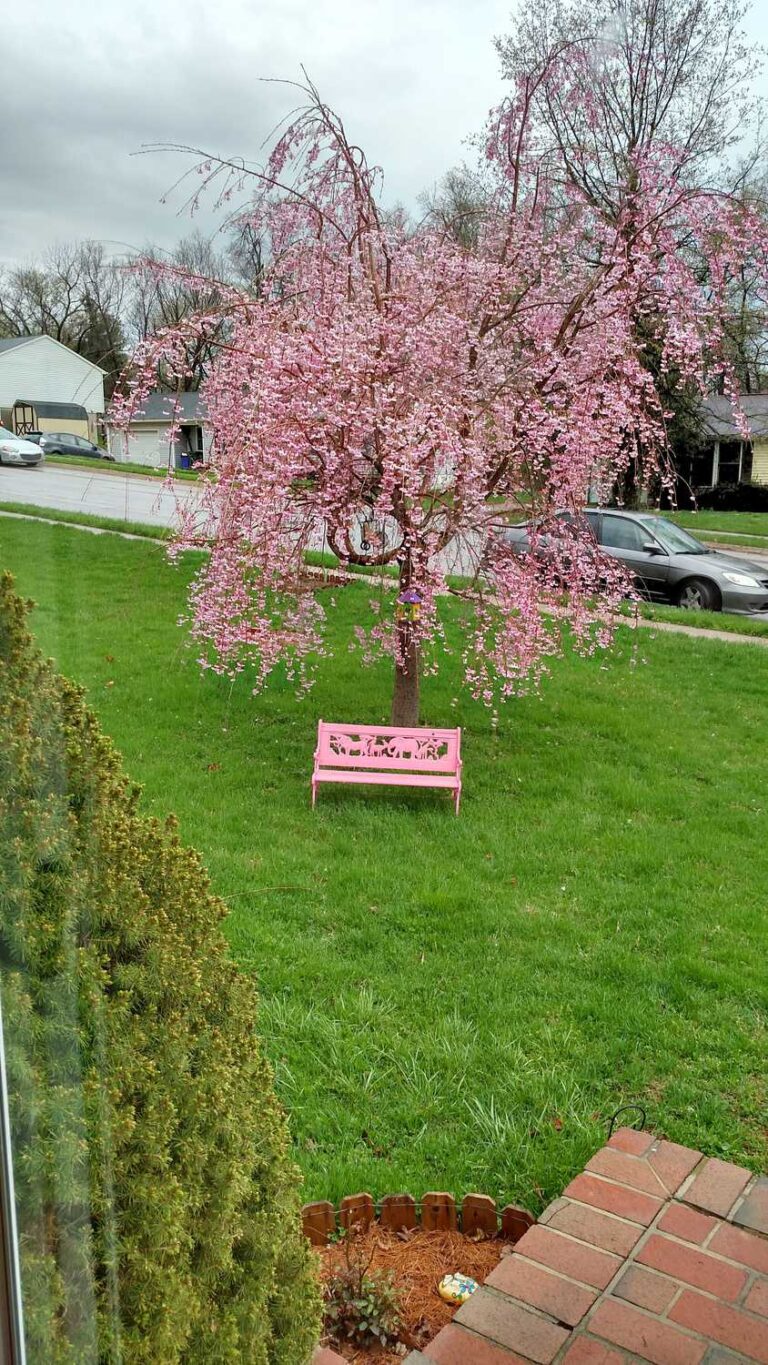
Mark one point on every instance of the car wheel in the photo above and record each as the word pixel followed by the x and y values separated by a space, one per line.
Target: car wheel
pixel 697 594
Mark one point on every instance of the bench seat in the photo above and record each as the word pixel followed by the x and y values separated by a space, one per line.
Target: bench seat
pixel 389 779
pixel 390 755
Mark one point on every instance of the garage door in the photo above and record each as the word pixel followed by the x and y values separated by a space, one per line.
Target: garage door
pixel 146 445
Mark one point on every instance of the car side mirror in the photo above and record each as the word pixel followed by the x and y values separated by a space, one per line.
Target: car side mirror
pixel 652 549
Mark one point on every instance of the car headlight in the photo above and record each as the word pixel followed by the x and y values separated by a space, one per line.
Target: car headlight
pixel 7 448
pixel 742 580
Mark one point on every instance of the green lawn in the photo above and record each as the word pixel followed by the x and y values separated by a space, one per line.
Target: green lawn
pixel 726 540
pixel 121 467
pixel 703 620
pixel 458 1004
pixel 51 514
pixel 743 523
pixel 652 611
pixel 732 528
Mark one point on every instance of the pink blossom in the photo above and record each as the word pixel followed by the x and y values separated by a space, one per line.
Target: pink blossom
pixel 391 375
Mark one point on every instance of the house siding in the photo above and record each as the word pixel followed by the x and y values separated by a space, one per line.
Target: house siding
pixel 760 462
pixel 45 372
pixel 68 424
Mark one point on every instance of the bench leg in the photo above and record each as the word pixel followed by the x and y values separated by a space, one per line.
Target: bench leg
pixel 314 793
pixel 458 797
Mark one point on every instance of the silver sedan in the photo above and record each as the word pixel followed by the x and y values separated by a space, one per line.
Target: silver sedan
pixel 667 563
pixel 16 450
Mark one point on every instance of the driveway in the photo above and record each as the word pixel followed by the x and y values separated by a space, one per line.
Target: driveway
pixel 124 497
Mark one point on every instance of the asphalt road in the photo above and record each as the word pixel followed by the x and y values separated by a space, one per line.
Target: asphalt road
pixel 128 497
pixel 125 497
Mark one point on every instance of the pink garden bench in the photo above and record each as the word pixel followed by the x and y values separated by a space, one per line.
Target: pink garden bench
pixel 380 753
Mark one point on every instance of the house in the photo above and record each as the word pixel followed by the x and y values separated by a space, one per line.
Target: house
pixel 45 386
pixel 724 456
pixel 148 438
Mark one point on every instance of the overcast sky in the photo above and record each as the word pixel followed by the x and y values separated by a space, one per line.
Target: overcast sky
pixel 86 82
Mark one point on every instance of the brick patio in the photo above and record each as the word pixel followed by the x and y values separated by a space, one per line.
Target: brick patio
pixel 654 1253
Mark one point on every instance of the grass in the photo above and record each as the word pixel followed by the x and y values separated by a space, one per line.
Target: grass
pixel 324 559
pixel 704 620
pixel 121 467
pixel 749 529
pixel 740 523
pixel 726 540
pixel 459 1004
pixel 51 514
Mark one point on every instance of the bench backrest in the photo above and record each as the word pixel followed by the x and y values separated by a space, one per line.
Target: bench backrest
pixel 383 748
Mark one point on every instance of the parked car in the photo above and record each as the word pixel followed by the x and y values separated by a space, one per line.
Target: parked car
pixel 17 449
pixel 65 443
pixel 667 563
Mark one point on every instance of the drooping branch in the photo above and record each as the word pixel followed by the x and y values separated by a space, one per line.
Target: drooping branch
pixel 425 382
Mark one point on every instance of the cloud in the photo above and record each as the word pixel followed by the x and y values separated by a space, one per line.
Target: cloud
pixel 86 84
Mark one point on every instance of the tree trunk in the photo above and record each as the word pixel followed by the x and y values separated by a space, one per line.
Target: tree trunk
pixel 405 698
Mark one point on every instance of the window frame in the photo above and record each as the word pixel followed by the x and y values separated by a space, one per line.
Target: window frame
pixel 12 1345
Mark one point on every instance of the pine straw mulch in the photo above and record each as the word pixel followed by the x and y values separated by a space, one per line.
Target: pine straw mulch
pixel 418 1261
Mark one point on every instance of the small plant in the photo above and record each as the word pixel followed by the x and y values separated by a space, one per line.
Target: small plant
pixel 361 1306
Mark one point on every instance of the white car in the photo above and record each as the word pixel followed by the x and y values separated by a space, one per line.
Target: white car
pixel 15 450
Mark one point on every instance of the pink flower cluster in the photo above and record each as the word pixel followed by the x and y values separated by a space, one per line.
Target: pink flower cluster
pixel 389 376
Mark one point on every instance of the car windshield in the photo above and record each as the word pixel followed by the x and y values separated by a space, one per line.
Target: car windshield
pixel 674 538
pixel 5 433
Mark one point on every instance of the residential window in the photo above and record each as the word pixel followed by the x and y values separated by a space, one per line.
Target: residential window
pixel 730 462
pixel 702 468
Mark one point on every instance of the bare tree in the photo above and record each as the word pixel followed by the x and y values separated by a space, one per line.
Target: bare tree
pixel 459 203
pixel 649 74
pixel 246 253
pixel 167 287
pixel 75 295
pixel 101 307
pixel 746 326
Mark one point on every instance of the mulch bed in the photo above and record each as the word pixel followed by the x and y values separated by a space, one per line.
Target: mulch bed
pixel 418 1261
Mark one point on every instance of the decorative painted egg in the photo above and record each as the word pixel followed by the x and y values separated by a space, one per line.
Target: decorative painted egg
pixel 456 1288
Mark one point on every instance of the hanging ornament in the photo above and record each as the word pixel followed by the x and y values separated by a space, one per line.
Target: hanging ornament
pixel 408 605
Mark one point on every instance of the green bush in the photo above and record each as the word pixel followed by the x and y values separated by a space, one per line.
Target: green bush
pixel 734 497
pixel 158 1206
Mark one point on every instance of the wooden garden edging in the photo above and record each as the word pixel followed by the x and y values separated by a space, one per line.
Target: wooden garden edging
pixel 435 1211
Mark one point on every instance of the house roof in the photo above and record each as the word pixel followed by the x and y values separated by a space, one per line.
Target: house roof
pixel 10 344
pixel 720 422
pixel 167 407
pixel 72 410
